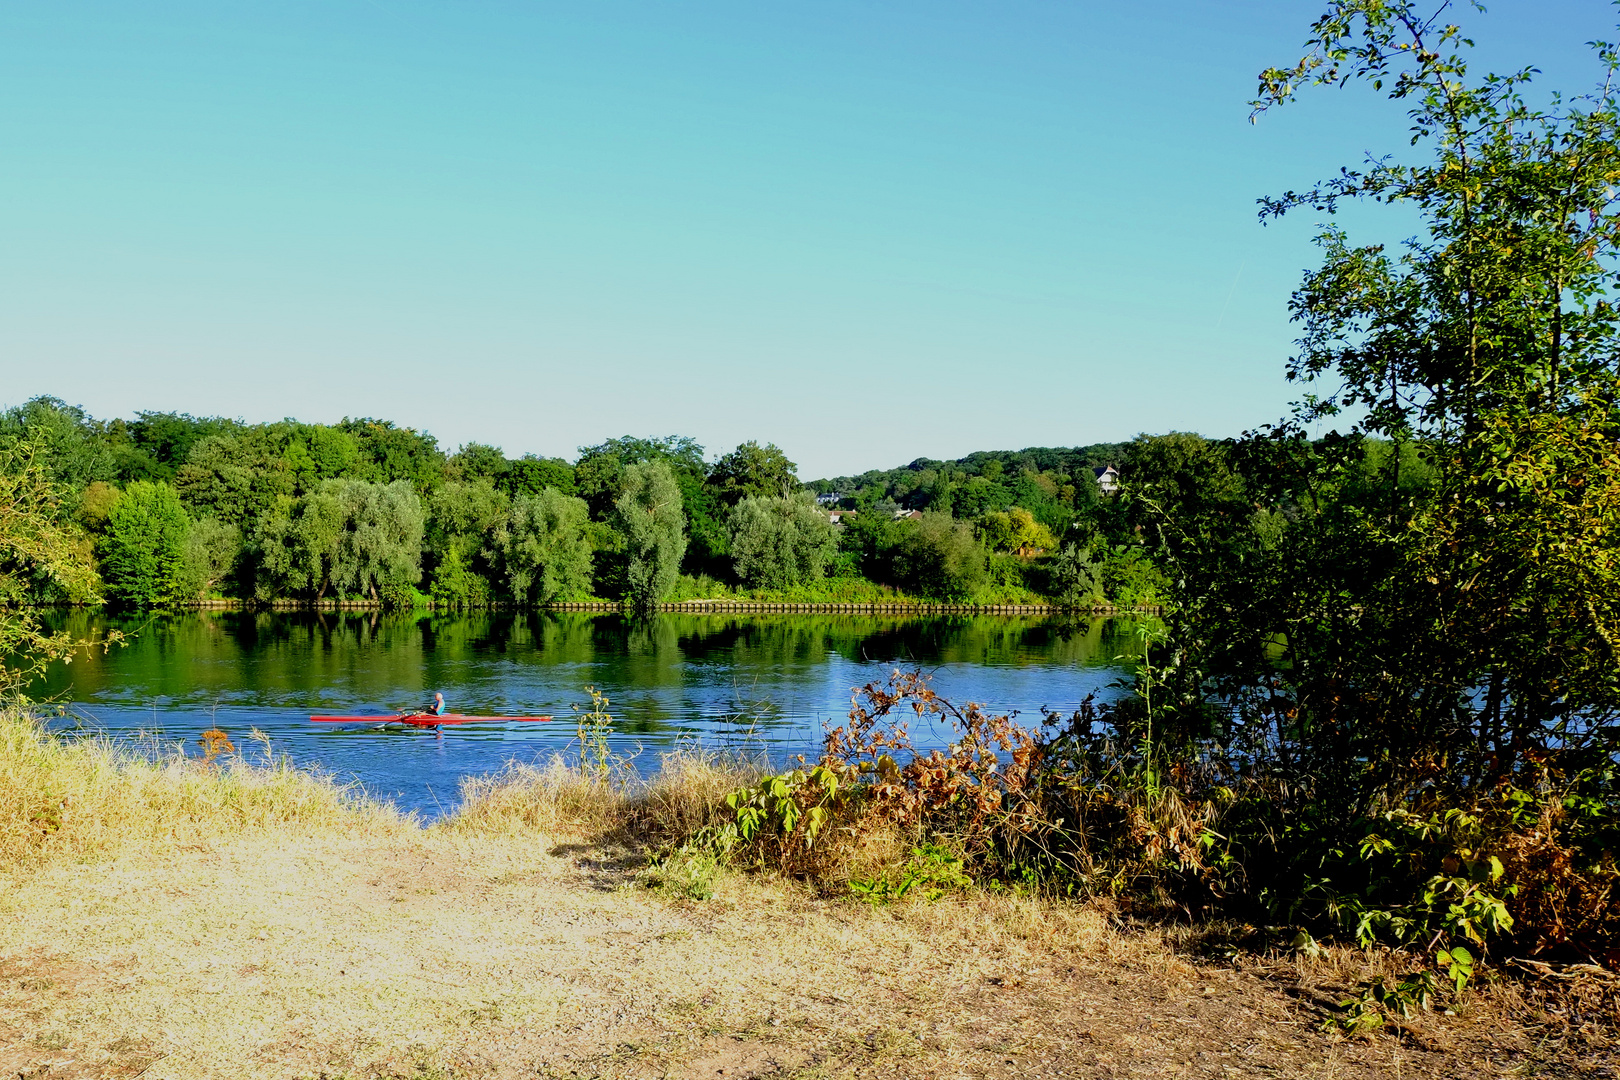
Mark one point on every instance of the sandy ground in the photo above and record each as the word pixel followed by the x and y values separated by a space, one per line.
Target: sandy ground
pixel 432 955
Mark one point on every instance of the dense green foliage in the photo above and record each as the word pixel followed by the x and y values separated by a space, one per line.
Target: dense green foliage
pixel 1389 679
pixel 1057 486
pixel 647 515
pixel 938 556
pixel 43 559
pixel 751 469
pixel 544 547
pixel 461 517
pixel 347 535
pixel 317 512
pixel 781 541
pixel 143 554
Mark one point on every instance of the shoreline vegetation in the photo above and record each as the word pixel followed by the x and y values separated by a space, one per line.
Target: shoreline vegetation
pixel 169 510
pixel 220 914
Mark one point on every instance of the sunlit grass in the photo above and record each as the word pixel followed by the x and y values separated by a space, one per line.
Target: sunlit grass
pixel 561 799
pixel 71 795
pixel 238 916
pixel 75 796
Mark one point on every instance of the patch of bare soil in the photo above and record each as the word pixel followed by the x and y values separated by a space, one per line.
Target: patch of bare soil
pixel 444 956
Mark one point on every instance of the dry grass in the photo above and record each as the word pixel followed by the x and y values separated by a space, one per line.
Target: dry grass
pixel 438 953
pixel 558 799
pixel 688 790
pixel 193 921
pixel 554 799
pixel 78 797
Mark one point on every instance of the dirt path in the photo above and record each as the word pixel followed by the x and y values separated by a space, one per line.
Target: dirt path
pixel 436 956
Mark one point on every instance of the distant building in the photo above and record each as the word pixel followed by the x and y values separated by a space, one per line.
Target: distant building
pixel 1107 479
pixel 837 516
pixel 902 515
pixel 830 498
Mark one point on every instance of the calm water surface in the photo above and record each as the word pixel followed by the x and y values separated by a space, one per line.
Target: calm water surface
pixel 764 683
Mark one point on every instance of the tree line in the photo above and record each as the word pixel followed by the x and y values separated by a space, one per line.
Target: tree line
pixel 169 509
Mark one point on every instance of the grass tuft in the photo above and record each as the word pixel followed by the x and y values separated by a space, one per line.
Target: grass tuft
pixel 555 798
pixel 686 793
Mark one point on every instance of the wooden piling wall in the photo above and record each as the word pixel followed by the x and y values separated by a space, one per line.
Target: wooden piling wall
pixel 718 607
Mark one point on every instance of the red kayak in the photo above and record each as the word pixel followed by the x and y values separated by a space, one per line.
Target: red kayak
pixel 425 719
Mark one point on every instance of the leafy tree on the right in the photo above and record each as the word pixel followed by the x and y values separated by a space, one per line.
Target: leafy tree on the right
pixel 1386 644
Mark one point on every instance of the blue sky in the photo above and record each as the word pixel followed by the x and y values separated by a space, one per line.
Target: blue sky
pixel 868 232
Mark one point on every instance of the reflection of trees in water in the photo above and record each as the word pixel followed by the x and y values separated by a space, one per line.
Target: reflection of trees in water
pixel 651 658
pixel 650 636
pixel 567 638
pixel 804 641
pixel 370 653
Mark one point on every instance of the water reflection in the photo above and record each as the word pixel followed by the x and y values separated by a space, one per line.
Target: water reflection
pixel 769 681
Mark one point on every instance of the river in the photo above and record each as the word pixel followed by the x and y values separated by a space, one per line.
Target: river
pixel 758 683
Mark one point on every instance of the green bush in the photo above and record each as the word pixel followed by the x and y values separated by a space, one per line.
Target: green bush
pixel 1130 579
pixel 930 872
pixel 213 550
pixel 455 585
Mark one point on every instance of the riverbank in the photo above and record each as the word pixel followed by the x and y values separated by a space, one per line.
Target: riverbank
pixel 188 919
pixel 701 606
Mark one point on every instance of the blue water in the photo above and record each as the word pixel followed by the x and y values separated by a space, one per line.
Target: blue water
pixel 762 683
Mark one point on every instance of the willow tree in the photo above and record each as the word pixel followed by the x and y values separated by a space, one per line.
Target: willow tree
pixel 543 548
pixel 781 541
pixel 648 517
pixel 347 535
pixel 382 538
